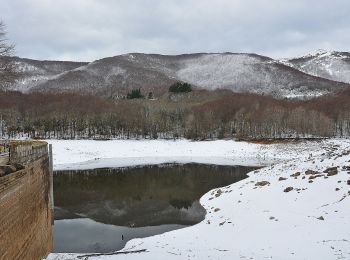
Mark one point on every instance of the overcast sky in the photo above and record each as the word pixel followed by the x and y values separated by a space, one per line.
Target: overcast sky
pixel 91 29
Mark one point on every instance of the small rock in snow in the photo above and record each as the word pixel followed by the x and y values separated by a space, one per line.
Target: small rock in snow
pixel 315 176
pixel 288 189
pixel 262 183
pixel 311 172
pixel 218 193
pixel 331 171
pixel 295 174
pixel 346 168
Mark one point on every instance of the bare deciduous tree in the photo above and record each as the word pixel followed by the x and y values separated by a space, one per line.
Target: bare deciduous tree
pixel 7 68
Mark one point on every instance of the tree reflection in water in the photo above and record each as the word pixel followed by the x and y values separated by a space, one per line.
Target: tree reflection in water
pixel 136 201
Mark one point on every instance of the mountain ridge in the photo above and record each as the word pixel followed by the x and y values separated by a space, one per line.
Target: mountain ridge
pixel 115 76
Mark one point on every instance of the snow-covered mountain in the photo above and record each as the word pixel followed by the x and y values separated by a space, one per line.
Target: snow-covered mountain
pixel 326 64
pixel 34 72
pixel 115 76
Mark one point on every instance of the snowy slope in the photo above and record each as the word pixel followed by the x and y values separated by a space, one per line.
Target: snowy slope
pixel 327 64
pixel 34 72
pixel 251 73
pixel 248 220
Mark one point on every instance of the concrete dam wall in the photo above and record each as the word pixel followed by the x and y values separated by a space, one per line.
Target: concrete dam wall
pixel 26 214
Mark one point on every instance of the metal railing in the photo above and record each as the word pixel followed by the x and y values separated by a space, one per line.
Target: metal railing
pixel 4 152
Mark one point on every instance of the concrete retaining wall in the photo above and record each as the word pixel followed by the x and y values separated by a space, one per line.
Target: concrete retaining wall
pixel 24 152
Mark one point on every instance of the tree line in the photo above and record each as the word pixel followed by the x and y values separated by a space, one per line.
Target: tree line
pixel 244 116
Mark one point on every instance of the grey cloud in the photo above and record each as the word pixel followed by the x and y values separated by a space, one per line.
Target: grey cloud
pixel 92 29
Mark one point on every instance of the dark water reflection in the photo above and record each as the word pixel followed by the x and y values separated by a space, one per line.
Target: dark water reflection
pixel 100 210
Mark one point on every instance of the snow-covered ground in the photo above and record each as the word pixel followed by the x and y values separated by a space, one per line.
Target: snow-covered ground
pixel 89 154
pixel 245 220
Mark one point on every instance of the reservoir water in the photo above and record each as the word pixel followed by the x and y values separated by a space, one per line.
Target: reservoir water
pixel 100 210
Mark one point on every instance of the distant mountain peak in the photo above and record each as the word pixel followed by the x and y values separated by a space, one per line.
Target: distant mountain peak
pixel 332 65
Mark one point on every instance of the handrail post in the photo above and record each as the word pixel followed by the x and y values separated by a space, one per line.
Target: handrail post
pixel 51 181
